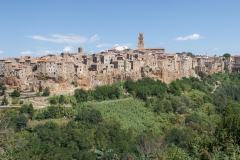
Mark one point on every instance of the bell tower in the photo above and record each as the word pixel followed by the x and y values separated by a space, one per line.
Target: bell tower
pixel 79 49
pixel 140 41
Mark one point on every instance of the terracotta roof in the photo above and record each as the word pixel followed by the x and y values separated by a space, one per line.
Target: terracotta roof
pixel 33 61
pixel 51 60
pixel 41 60
pixel 18 69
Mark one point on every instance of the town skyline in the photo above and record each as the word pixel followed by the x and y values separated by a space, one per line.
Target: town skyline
pixel 40 28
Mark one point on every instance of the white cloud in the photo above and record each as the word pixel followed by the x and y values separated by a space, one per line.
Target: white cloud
pixel 162 43
pixel 215 49
pixel 190 37
pixel 57 38
pixel 68 49
pixel 1 52
pixel 26 53
pixel 94 38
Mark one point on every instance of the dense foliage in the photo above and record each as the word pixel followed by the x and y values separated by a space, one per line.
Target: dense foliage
pixel 144 119
pixel 46 92
pixel 15 93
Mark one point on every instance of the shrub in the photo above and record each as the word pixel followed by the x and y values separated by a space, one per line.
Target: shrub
pixel 62 99
pixel 46 92
pixel 40 116
pixel 22 121
pixel 15 93
pixel 53 100
pixel 91 116
pixel 179 137
pixel 193 118
pixel 15 101
pixel 74 83
pixel 4 100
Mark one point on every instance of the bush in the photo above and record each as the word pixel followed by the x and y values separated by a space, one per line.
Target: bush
pixel 22 121
pixel 15 101
pixel 15 93
pixel 53 100
pixel 174 88
pixel 62 99
pixel 74 83
pixel 179 137
pixel 46 92
pixel 4 100
pixel 81 95
pixel 91 116
pixel 193 118
pixel 40 116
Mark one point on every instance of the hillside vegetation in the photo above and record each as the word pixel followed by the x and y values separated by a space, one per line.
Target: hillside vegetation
pixel 145 119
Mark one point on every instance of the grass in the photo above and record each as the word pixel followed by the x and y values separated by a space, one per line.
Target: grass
pixel 131 114
pixel 60 122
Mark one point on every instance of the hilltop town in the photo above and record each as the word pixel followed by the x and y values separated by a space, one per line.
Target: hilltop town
pixel 60 72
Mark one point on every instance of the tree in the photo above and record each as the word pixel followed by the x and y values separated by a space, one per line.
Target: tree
pixel 2 88
pixel 15 93
pixel 22 121
pixel 23 109
pixel 5 100
pixel 227 55
pixel 81 95
pixel 46 92
pixel 201 74
pixel 90 116
pixel 62 99
pixel 174 88
pixel 30 110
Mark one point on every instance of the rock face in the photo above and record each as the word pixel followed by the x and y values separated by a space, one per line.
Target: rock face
pixel 119 67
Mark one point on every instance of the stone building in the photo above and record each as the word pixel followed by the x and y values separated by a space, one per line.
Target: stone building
pixel 91 70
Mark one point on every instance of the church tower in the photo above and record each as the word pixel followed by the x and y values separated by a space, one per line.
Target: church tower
pixel 140 42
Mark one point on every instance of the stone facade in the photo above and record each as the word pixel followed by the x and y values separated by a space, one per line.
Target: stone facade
pixel 90 70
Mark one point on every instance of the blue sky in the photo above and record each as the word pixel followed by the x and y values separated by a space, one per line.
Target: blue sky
pixel 52 26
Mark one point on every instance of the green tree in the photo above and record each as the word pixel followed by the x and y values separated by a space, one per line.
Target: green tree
pixel 229 127
pixel 46 92
pixel 30 111
pixel 22 121
pixel 62 99
pixel 81 95
pixel 23 109
pixel 226 55
pixel 5 100
pixel 174 88
pixel 201 74
pixel 179 137
pixel 15 93
pixel 2 88
pixel 90 116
